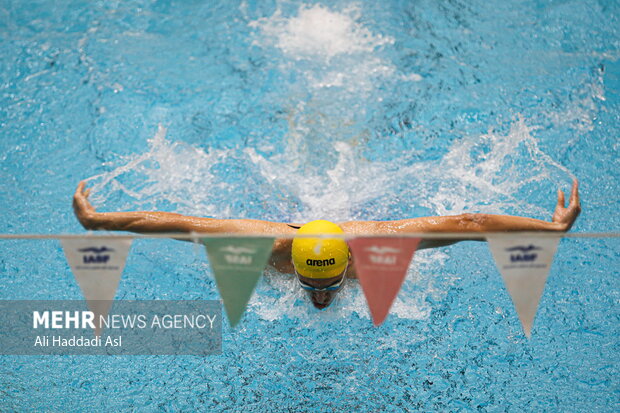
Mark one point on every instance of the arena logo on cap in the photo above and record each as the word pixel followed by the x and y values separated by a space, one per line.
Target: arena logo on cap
pixel 522 253
pixel 321 263
pixel 382 255
pixel 238 255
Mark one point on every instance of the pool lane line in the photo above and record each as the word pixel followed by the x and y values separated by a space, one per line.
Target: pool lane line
pixel 193 236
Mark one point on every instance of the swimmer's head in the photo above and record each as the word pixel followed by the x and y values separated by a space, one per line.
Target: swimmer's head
pixel 320 257
pixel 320 263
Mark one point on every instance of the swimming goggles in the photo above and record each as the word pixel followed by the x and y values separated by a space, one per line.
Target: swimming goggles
pixel 333 287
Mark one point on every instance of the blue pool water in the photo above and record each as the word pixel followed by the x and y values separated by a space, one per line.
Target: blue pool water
pixel 293 111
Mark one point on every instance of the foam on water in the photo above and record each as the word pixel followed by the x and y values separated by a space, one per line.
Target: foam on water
pixel 170 172
pixel 331 193
pixel 336 50
pixel 335 68
pixel 481 173
pixel 477 173
pixel 319 33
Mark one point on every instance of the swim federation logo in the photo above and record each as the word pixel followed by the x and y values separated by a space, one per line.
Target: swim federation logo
pixel 238 255
pixel 96 258
pixel 382 255
pixel 522 253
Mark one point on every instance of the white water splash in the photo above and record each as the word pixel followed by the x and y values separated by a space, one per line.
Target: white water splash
pixel 320 33
pixel 173 172
pixel 327 194
pixel 478 174
pixel 482 173
pixel 329 48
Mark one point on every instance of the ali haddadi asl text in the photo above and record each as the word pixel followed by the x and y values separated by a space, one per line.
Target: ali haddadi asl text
pixel 77 341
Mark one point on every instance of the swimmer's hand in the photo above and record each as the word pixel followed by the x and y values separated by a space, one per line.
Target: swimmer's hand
pixel 567 216
pixel 84 211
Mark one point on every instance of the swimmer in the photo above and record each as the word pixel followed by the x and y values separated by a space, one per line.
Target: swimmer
pixel 322 281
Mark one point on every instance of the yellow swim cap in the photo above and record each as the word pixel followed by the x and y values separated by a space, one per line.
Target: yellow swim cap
pixel 320 257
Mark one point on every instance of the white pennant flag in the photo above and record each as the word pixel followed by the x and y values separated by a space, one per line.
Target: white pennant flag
pixel 524 264
pixel 97 265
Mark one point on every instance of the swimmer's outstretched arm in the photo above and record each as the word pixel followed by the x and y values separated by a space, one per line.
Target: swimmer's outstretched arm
pixel 562 220
pixel 157 222
pixel 153 222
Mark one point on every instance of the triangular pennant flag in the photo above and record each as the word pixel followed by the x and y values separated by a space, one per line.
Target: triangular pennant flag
pixel 97 265
pixel 381 264
pixel 524 264
pixel 237 264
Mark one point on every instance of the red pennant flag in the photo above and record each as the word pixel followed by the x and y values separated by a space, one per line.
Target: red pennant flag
pixel 381 264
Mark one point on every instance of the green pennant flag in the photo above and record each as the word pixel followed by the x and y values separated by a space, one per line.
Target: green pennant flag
pixel 237 263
